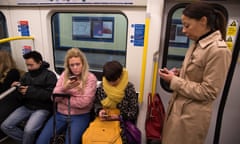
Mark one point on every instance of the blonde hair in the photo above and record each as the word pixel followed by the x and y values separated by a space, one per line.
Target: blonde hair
pixel 6 63
pixel 75 52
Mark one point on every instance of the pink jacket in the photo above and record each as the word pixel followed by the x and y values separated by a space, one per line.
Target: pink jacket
pixel 81 102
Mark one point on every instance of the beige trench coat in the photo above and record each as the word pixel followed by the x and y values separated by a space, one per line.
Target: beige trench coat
pixel 201 79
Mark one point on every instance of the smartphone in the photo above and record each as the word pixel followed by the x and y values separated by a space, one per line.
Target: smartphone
pixel 18 85
pixel 163 71
pixel 21 87
pixel 105 115
pixel 73 77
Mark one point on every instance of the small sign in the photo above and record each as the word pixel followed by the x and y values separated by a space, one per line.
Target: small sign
pixel 23 28
pixel 26 49
pixel 110 2
pixel 138 38
pixel 232 29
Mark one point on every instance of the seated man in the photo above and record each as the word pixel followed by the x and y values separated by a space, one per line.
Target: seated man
pixel 34 91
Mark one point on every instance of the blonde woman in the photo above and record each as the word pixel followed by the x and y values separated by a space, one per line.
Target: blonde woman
pixel 8 71
pixel 8 74
pixel 77 81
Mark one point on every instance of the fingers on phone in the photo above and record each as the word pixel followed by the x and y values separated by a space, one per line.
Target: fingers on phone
pixel 163 71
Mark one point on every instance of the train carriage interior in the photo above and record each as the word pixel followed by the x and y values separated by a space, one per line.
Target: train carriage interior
pixel 129 31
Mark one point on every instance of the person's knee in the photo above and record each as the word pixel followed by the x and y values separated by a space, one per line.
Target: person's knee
pixel 6 128
pixel 3 127
pixel 29 131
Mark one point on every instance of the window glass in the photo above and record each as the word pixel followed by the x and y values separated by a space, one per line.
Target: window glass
pixel 178 42
pixel 101 36
pixel 3 33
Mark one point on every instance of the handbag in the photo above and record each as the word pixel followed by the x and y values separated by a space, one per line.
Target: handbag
pixel 58 139
pixel 132 132
pixel 104 132
pixel 155 118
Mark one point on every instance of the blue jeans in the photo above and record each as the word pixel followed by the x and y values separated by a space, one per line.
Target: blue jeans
pixel 35 120
pixel 78 125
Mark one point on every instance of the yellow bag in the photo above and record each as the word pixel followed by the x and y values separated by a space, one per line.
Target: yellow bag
pixel 102 132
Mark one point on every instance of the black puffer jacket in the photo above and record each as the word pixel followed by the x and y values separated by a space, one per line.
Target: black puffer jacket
pixel 40 84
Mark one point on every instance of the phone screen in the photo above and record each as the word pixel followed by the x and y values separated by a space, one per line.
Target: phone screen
pixel 73 77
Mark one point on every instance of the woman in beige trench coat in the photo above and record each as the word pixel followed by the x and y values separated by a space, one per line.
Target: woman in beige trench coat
pixel 199 81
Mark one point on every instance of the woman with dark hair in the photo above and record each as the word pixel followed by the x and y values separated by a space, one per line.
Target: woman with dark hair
pixel 200 80
pixel 115 98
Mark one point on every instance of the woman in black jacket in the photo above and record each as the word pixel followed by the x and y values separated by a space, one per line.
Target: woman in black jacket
pixel 8 74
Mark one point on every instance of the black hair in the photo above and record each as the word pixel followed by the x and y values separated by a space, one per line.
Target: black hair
pixel 215 18
pixel 112 70
pixel 36 56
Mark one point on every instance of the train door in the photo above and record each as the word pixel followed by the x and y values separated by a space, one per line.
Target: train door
pixel 227 128
pixel 173 47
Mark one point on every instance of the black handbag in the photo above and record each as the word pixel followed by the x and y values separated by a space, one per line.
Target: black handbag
pixel 60 138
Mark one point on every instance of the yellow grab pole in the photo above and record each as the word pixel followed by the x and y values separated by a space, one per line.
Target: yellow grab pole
pixel 15 38
pixel 144 57
pixel 155 71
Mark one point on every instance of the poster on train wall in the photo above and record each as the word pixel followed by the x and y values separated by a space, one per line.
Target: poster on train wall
pixel 137 34
pixel 23 28
pixel 74 2
pixel 232 29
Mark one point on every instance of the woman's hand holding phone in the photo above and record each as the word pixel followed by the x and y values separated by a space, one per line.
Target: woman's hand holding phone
pixel 166 74
pixel 73 78
pixel 163 71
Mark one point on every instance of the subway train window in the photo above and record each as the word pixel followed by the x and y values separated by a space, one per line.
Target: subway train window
pixel 3 33
pixel 176 43
pixel 101 36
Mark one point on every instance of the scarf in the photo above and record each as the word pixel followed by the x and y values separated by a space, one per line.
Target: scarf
pixel 116 93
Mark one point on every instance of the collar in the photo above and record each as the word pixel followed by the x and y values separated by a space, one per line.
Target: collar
pixel 209 38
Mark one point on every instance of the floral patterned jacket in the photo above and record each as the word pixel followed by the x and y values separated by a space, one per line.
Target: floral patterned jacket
pixel 128 106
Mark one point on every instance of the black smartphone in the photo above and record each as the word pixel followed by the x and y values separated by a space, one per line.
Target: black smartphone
pixel 163 71
pixel 73 77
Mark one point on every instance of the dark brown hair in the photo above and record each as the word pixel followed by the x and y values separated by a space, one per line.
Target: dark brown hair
pixel 215 18
pixel 112 70
pixel 36 56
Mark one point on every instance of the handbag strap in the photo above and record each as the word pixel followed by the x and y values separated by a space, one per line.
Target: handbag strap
pixel 68 116
pixel 54 117
pixel 69 121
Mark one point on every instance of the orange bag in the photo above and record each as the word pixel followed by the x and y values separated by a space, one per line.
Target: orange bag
pixel 104 132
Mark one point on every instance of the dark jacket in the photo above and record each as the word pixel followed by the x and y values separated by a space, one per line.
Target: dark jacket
pixel 40 84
